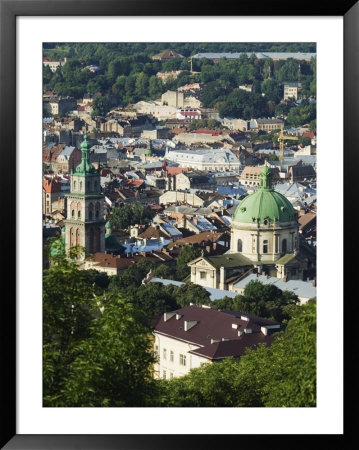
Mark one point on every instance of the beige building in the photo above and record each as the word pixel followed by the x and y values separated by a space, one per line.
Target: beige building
pixel 292 91
pixel 236 124
pixel 181 197
pixel 250 175
pixel 269 124
pixel 160 112
pixel 195 335
pixel 173 98
pixel 54 64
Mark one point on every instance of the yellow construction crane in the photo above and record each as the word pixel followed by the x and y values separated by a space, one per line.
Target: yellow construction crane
pixel 281 139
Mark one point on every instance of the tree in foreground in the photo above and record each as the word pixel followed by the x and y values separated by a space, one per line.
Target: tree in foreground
pixel 97 351
pixel 282 375
pixel 113 367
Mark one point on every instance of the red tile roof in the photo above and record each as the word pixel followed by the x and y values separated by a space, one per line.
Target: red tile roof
pixel 175 170
pixel 52 185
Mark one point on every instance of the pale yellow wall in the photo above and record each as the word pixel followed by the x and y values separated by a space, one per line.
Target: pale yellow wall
pixel 178 347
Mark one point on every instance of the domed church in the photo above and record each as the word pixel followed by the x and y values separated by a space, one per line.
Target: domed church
pixel 264 237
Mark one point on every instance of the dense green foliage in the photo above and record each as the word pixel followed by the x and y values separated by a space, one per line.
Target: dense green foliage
pixel 187 254
pixel 130 214
pixel 128 74
pixel 97 350
pixel 263 300
pixel 282 375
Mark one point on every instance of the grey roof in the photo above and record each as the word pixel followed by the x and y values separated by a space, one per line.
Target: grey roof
pixel 170 229
pixel 290 189
pixel 67 152
pixel 303 289
pixel 202 223
pixel 259 55
pixel 145 245
pixel 215 294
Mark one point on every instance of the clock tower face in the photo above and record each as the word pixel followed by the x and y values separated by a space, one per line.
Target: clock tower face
pixel 85 224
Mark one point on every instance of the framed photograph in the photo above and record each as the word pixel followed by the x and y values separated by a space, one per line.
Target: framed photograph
pixel 35 36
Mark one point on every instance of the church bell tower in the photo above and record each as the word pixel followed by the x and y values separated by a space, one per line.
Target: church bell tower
pixel 85 224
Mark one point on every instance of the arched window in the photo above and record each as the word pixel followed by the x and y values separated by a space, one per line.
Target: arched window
pixel 284 245
pixel 239 245
pixel 265 246
pixel 72 237
pixel 90 211
pixel 78 237
pixel 79 214
pixel 80 185
pixel 74 185
pixel 97 207
pixel 72 213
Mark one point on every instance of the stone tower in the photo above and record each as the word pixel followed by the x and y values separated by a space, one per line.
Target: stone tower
pixel 85 224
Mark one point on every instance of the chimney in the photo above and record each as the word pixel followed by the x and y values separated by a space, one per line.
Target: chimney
pixel 263 273
pixel 314 284
pixel 221 277
pixel 284 279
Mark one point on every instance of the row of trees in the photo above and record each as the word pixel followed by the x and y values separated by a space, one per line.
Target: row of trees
pixel 97 351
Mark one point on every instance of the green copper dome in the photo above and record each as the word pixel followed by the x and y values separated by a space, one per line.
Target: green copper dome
pixel 85 167
pixel 265 204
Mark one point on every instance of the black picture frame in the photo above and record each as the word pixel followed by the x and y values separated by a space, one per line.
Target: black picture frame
pixel 9 10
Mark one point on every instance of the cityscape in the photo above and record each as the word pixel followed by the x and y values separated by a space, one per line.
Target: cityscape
pixel 179 199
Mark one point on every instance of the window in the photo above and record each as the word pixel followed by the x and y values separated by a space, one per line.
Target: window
pixel 203 275
pixel 164 374
pixel 164 353
pixel 239 245
pixel 79 214
pixel 156 351
pixel 284 245
pixel 74 185
pixel 182 360
pixel 265 246
pixel 171 375
pixel 171 356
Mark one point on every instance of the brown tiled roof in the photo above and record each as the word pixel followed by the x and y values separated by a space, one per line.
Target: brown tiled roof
pixel 203 237
pixel 152 232
pixel 305 219
pixel 216 325
pixel 122 262
pixel 50 154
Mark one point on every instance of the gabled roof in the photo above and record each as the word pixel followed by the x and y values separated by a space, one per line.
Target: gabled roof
pixel 228 260
pixel 215 332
